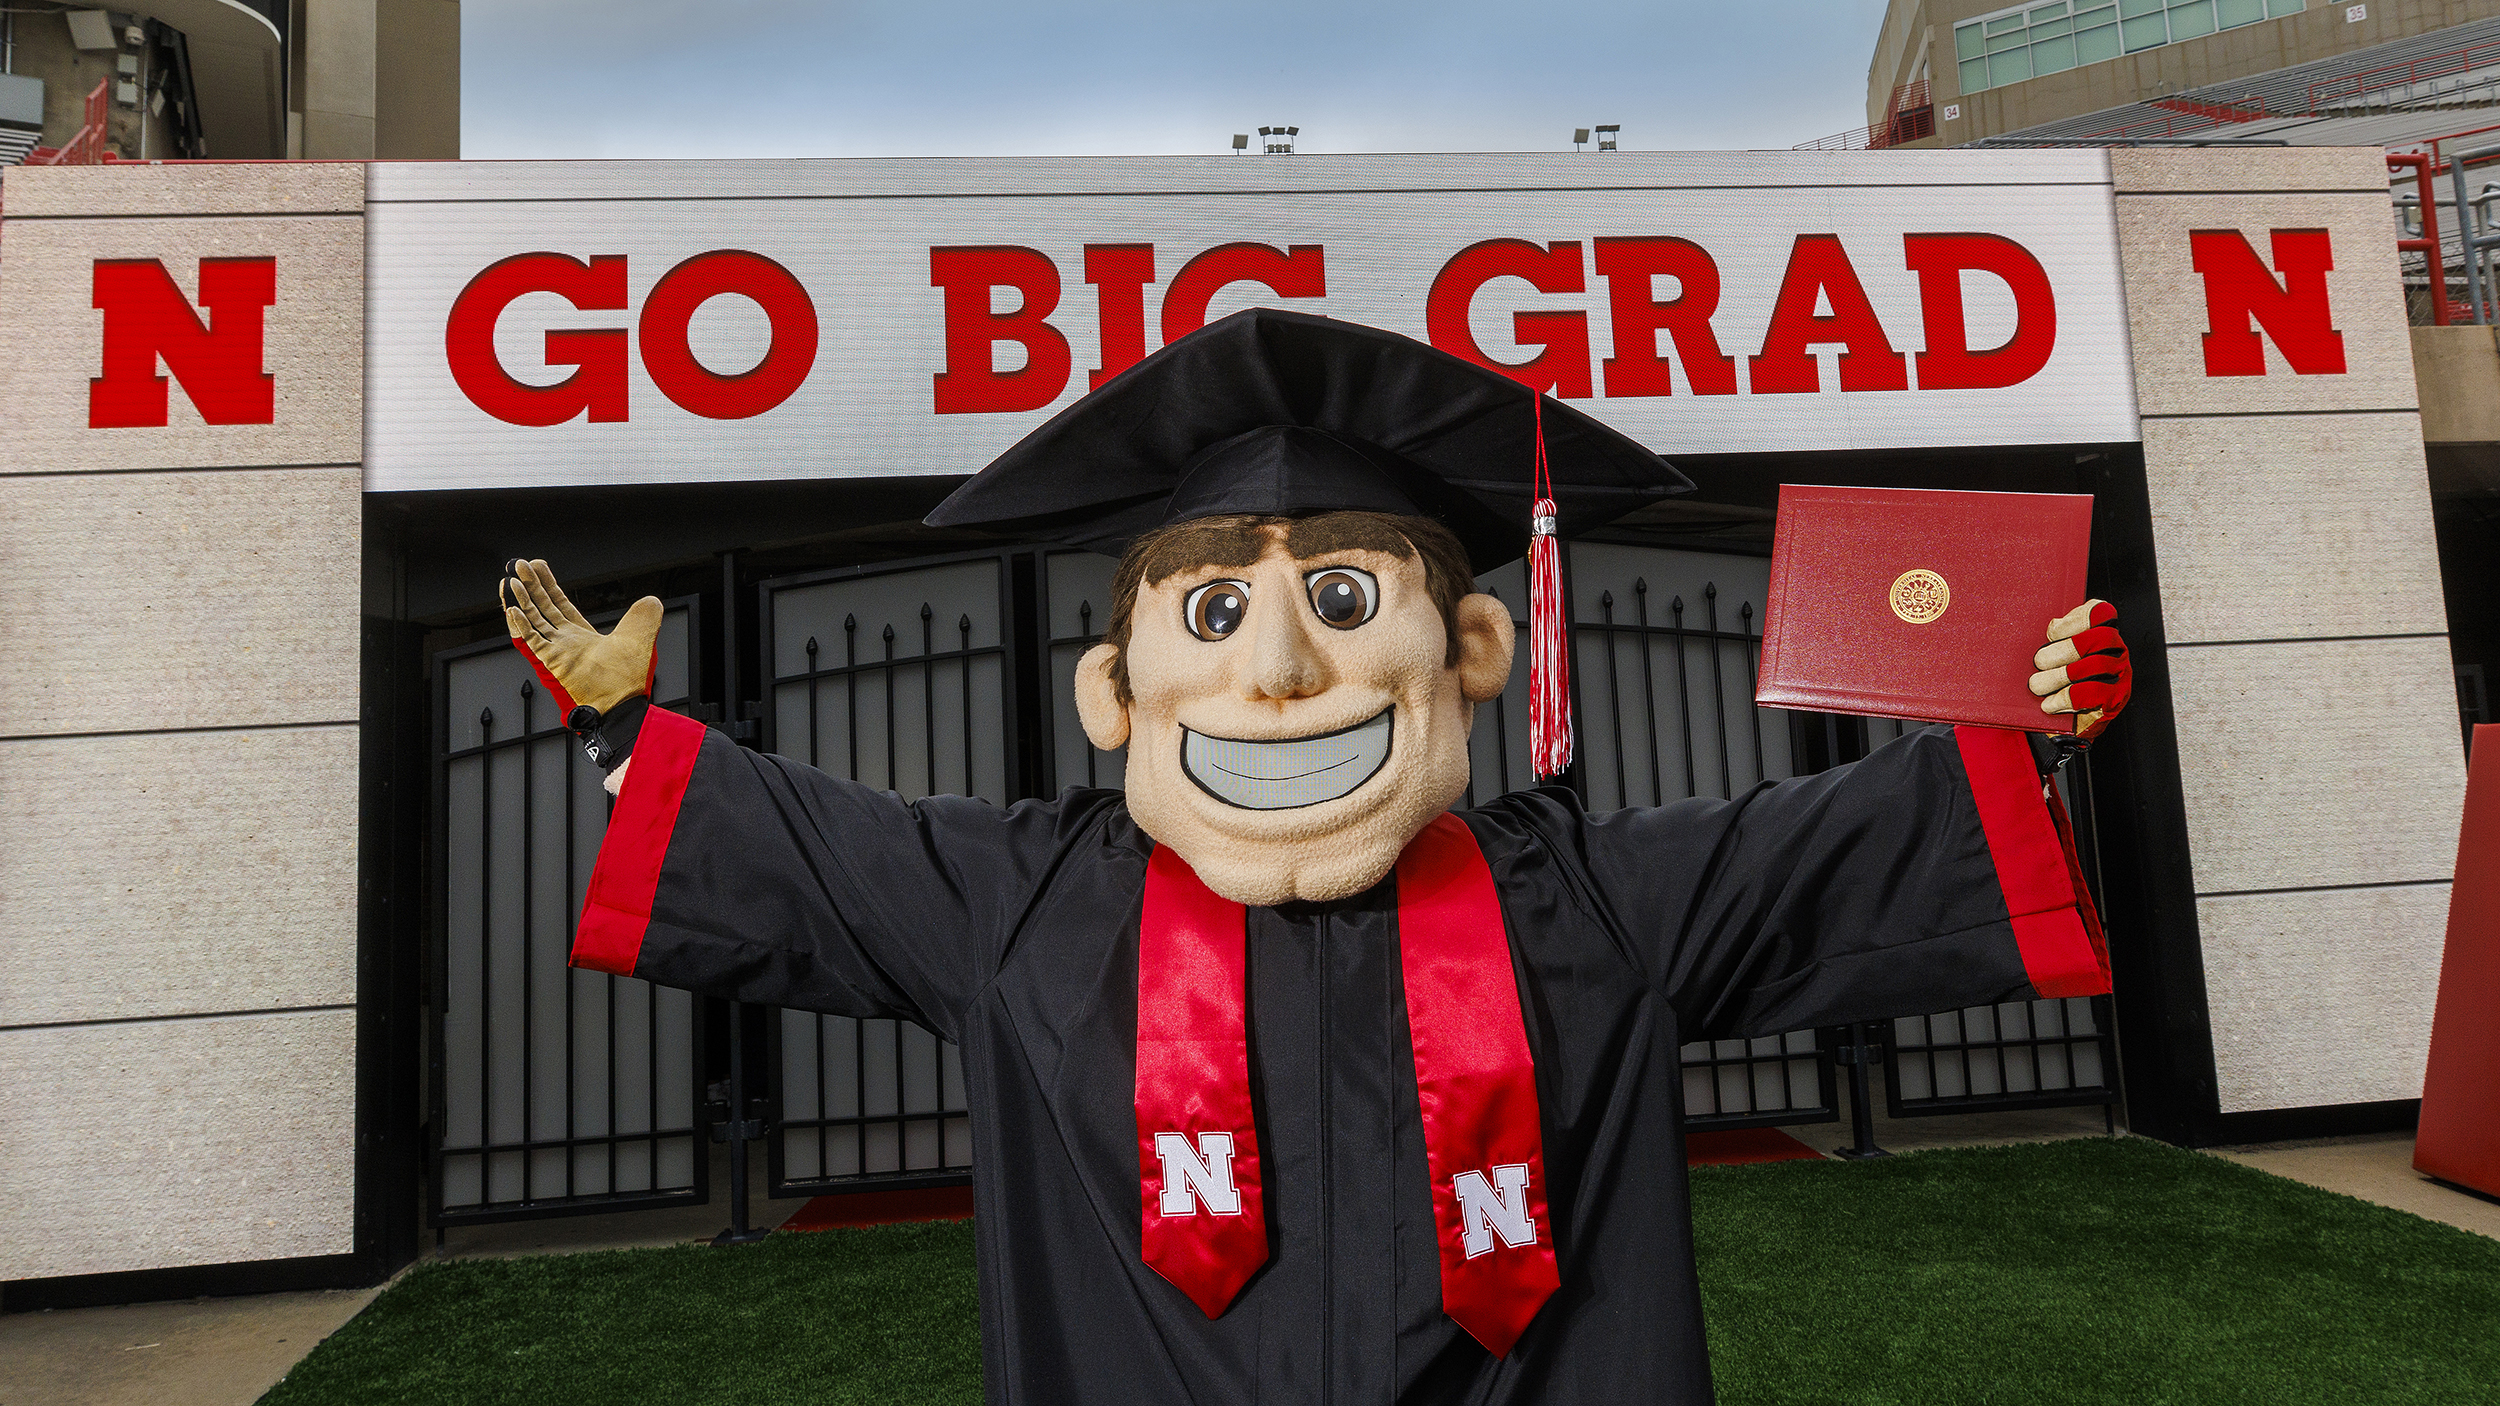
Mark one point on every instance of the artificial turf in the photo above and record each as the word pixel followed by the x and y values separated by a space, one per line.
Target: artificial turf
pixel 2086 1271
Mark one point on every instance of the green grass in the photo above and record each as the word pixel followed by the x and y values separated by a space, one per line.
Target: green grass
pixel 2086 1271
pixel 838 1317
pixel 2073 1272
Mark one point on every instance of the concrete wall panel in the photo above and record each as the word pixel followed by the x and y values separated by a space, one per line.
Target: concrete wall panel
pixel 2166 312
pixel 178 874
pixel 190 192
pixel 53 345
pixel 2456 370
pixel 2322 997
pixel 2292 526
pixel 2315 764
pixel 149 1144
pixel 2257 170
pixel 214 599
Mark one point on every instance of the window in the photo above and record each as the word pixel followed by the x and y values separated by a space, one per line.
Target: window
pixel 2030 41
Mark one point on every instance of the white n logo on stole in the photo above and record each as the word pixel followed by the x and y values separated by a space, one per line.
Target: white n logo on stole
pixel 1198 1175
pixel 1484 1213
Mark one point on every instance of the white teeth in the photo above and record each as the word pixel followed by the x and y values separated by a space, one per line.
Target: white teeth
pixel 1300 771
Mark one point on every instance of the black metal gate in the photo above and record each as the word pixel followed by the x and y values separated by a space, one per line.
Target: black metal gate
pixel 557 1091
pixel 901 677
pixel 554 1091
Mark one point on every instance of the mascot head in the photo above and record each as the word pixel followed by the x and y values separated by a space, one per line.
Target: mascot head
pixel 1296 646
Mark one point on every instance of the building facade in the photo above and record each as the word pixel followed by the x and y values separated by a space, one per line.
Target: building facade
pixel 230 80
pixel 290 952
pixel 1992 71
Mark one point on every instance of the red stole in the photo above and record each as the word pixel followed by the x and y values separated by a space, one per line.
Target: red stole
pixel 1197 1144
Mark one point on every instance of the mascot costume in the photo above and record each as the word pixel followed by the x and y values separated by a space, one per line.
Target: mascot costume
pixel 1288 1082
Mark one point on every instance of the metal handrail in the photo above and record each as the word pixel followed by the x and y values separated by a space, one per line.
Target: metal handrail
pixel 2428 244
pixel 2474 230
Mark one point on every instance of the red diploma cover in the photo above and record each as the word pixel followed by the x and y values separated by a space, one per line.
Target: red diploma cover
pixel 1912 603
pixel 2459 1137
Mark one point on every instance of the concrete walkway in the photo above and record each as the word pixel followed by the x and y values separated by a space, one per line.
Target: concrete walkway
pixel 228 1352
pixel 194 1352
pixel 2378 1169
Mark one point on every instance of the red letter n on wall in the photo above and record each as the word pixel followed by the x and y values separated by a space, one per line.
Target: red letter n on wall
pixel 146 319
pixel 2240 290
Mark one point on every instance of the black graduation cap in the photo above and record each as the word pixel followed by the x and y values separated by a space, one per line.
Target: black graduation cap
pixel 1287 414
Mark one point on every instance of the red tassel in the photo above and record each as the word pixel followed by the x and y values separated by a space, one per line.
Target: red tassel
pixel 1549 665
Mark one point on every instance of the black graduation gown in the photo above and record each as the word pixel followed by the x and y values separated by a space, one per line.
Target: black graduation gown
pixel 1929 876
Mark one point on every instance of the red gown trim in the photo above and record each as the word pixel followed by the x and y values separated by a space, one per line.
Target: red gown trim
pixel 616 909
pixel 1193 1084
pixel 1476 1083
pixel 2054 924
pixel 555 691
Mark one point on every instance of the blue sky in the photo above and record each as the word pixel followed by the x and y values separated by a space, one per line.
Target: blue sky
pixel 733 78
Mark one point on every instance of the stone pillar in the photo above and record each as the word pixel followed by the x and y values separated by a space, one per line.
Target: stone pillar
pixel 178 739
pixel 2308 649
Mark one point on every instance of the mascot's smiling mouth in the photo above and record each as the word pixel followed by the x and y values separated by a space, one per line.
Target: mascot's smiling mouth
pixel 1290 773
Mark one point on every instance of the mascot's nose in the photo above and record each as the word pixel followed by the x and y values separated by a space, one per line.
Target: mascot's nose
pixel 1283 660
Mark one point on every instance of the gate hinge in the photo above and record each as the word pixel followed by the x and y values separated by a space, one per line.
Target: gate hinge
pixel 1858 1054
pixel 743 1129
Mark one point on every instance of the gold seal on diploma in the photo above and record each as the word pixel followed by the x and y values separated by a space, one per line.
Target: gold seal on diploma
pixel 1920 596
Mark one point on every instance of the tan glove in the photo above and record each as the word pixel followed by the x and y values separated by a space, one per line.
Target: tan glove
pixel 582 666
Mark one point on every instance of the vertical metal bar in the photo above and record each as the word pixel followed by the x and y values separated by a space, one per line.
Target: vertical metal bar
pixel 859 1096
pixel 572 1148
pixel 824 1108
pixel 2465 241
pixel 892 781
pixel 1857 1054
pixel 812 682
pixel 1614 691
pixel 486 957
pixel 1683 696
pixel 1085 626
pixel 963 671
pixel 1649 689
pixel 611 983
pixel 1753 682
pixel 739 1232
pixel 901 1124
pixel 850 685
pixel 1718 687
pixel 1927 1023
pixel 928 702
pixel 529 954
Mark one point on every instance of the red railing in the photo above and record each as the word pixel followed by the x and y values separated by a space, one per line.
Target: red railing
pixel 87 147
pixel 2439 65
pixel 2428 244
pixel 2250 110
pixel 1912 116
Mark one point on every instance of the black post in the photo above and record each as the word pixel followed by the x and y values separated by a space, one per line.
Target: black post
pixel 737 1132
pixel 1858 1054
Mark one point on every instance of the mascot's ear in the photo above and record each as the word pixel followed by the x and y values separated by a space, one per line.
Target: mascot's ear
pixel 1486 638
pixel 1098 704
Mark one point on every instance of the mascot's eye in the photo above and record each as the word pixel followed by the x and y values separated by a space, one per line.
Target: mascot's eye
pixel 1343 596
pixel 1214 610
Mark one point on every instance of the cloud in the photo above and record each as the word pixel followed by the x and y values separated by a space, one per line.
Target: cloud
pixel 746 78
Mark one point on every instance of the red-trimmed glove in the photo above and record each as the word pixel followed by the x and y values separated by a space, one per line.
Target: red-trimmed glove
pixel 2084 670
pixel 579 665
